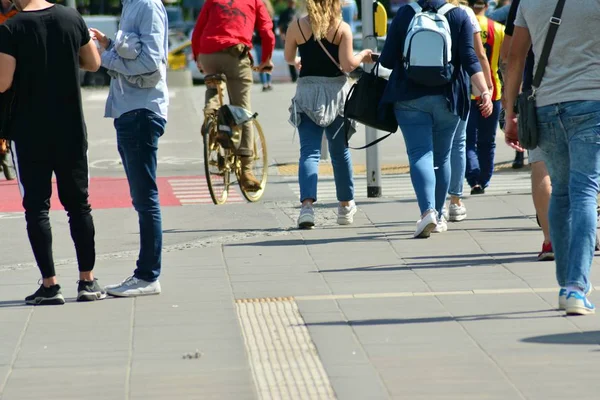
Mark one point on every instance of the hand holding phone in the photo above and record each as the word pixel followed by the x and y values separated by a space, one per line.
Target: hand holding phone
pixel 375 57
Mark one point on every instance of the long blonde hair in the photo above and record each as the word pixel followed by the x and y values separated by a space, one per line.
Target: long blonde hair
pixel 323 15
pixel 269 7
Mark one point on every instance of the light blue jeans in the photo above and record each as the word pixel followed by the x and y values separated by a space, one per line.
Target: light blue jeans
pixel 458 159
pixel 311 136
pixel 570 137
pixel 428 128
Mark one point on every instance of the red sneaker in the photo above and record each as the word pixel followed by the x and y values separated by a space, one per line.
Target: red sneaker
pixel 547 254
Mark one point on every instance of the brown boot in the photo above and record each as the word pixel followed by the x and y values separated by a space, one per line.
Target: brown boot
pixel 248 180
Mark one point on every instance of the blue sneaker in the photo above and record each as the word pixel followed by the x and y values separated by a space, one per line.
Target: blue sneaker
pixel 562 297
pixel 578 304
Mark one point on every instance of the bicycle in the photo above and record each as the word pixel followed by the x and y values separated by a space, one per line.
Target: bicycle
pixel 220 159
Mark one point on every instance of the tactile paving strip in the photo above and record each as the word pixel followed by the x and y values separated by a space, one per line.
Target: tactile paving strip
pixel 284 360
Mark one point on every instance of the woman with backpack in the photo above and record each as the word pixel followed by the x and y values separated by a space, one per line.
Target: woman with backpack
pixel 429 43
pixel 326 55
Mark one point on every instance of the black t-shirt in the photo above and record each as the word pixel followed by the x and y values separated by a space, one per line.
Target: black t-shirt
pixel 46 45
pixel 286 18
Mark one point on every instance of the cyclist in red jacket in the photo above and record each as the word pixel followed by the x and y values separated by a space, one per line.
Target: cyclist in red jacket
pixel 221 44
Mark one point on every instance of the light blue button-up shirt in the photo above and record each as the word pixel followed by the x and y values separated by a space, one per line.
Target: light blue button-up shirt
pixel 148 19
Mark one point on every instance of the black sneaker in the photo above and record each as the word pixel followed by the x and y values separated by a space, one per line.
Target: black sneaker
pixel 90 291
pixel 46 296
pixel 477 190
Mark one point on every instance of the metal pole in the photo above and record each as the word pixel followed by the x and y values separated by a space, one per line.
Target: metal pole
pixel 373 165
pixel 71 3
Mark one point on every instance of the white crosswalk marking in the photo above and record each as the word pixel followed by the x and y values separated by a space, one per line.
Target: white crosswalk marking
pixel 400 186
pixel 192 191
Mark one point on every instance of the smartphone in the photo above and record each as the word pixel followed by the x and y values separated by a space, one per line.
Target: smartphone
pixel 375 57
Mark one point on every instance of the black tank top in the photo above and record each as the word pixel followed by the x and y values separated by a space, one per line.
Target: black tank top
pixel 315 62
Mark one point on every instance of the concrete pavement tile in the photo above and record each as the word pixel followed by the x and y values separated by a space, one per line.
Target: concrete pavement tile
pixel 275 278
pixel 283 289
pixel 364 386
pixel 321 306
pixel 389 286
pixel 66 383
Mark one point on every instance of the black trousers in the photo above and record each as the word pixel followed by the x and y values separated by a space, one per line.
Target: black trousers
pixel 67 159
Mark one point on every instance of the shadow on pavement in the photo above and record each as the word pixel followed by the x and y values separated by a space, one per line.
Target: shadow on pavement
pixel 586 338
pixel 465 318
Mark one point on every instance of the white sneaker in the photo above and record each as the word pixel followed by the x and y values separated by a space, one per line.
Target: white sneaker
pixel 457 213
pixel 306 220
pixel 425 225
pixel 346 214
pixel 442 226
pixel 133 287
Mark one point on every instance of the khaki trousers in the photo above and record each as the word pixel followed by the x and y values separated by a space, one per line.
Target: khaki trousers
pixel 239 84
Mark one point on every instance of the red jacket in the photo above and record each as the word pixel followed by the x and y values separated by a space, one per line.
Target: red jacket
pixel 227 23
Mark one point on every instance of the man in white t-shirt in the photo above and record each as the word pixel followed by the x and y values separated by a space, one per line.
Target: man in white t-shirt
pixel 458 157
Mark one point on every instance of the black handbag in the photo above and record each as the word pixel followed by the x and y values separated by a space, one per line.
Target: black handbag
pixel 363 106
pixel 526 102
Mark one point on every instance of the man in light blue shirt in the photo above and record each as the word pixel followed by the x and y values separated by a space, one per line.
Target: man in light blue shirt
pixel 140 115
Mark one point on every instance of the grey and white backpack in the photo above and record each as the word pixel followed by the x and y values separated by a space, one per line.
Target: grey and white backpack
pixel 428 47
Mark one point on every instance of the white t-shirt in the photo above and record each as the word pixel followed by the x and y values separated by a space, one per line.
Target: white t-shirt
pixel 473 18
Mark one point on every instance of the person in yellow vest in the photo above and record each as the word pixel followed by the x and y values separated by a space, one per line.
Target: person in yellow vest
pixel 7 10
pixel 481 132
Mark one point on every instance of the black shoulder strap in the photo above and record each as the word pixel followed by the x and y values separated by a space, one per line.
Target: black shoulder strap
pixel 555 22
pixel 300 27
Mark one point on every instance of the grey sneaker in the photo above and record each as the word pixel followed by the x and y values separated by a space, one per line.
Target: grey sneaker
pixel 457 213
pixel 306 220
pixel 346 214
pixel 133 287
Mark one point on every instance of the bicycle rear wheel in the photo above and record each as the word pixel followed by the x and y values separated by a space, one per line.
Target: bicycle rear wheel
pixel 216 164
pixel 260 164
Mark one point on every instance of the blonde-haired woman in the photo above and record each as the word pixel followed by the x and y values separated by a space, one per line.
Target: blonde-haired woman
pixel 458 156
pixel 326 55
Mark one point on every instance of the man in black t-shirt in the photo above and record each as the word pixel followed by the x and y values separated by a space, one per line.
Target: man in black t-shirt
pixel 41 51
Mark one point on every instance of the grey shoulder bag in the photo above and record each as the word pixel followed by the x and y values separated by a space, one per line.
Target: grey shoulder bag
pixel 526 102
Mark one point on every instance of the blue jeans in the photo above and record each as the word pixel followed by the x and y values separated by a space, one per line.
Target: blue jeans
pixel 265 78
pixel 311 136
pixel 481 144
pixel 458 159
pixel 137 138
pixel 570 136
pixel 428 128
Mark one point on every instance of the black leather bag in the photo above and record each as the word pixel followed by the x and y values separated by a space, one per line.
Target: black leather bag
pixel 363 105
pixel 526 105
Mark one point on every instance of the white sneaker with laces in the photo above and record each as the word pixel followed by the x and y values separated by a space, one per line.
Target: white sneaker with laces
pixel 457 213
pixel 306 220
pixel 346 214
pixel 442 226
pixel 133 287
pixel 425 225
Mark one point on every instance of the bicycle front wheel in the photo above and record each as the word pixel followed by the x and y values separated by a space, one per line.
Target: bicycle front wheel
pixel 216 165
pixel 260 165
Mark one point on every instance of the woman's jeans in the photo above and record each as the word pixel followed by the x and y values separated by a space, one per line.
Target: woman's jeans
pixel 311 136
pixel 570 137
pixel 458 159
pixel 481 144
pixel 428 128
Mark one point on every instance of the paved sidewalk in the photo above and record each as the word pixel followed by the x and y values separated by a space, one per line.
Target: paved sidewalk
pixel 465 315
pixel 254 309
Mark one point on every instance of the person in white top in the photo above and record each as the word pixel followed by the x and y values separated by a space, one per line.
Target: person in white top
pixel 458 157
